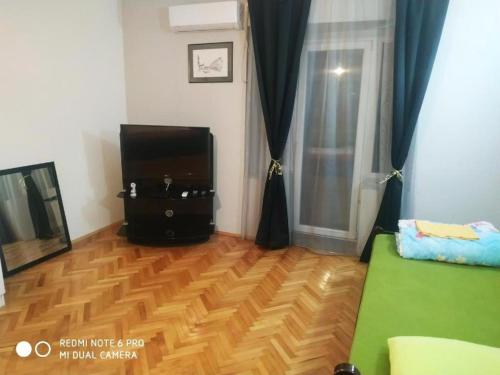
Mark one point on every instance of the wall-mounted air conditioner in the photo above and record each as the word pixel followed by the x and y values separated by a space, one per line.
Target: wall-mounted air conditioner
pixel 219 15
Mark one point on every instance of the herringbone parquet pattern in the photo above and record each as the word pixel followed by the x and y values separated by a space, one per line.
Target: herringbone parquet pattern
pixel 223 307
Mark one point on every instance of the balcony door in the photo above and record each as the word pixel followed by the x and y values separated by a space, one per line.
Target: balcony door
pixel 336 109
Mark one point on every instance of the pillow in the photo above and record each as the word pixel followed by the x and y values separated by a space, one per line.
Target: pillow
pixel 436 356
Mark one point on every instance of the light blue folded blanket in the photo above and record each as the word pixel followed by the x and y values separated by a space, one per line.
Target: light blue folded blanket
pixel 485 251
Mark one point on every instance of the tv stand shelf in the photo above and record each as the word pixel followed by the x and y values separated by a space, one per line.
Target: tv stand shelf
pixel 125 195
pixel 161 205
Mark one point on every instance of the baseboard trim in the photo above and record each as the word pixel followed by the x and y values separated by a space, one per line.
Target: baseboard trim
pixel 87 238
pixel 227 234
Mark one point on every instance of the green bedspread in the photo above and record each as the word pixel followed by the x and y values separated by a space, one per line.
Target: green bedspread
pixel 422 298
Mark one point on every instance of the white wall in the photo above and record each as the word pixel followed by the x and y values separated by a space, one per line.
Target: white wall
pixel 158 92
pixel 454 173
pixel 62 98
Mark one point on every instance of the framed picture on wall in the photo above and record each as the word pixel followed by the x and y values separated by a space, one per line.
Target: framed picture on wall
pixel 210 62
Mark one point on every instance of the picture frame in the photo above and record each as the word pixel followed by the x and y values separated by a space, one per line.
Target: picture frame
pixel 31 189
pixel 210 62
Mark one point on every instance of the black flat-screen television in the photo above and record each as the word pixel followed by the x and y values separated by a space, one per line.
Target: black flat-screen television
pixel 151 153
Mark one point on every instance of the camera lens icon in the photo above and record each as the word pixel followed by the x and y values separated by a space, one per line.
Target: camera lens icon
pixel 42 349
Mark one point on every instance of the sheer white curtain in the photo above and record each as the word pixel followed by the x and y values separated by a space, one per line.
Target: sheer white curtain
pixel 14 207
pixel 257 156
pixel 339 144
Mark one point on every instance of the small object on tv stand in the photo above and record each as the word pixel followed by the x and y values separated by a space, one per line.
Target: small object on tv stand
pixel 168 183
pixel 133 192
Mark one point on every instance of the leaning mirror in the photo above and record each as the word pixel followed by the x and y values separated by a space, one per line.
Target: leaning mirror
pixel 32 222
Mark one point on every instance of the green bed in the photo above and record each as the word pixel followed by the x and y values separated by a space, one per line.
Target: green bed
pixel 422 298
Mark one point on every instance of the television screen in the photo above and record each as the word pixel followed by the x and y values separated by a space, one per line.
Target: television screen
pixel 151 153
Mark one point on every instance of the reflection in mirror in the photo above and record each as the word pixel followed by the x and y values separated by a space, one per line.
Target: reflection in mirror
pixel 32 221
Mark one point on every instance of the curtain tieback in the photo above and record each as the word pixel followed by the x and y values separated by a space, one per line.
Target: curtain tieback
pixel 276 168
pixel 395 172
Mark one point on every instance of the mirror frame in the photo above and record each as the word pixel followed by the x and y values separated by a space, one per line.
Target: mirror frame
pixel 52 169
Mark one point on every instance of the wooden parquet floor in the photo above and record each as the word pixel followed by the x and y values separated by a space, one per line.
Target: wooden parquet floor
pixel 223 307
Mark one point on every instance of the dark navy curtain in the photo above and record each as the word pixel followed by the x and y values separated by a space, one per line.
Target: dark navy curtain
pixel 278 30
pixel 6 235
pixel 418 29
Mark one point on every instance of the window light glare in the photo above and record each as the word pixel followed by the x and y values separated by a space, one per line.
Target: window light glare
pixel 338 71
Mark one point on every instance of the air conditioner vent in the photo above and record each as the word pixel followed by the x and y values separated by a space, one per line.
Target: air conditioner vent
pixel 220 15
